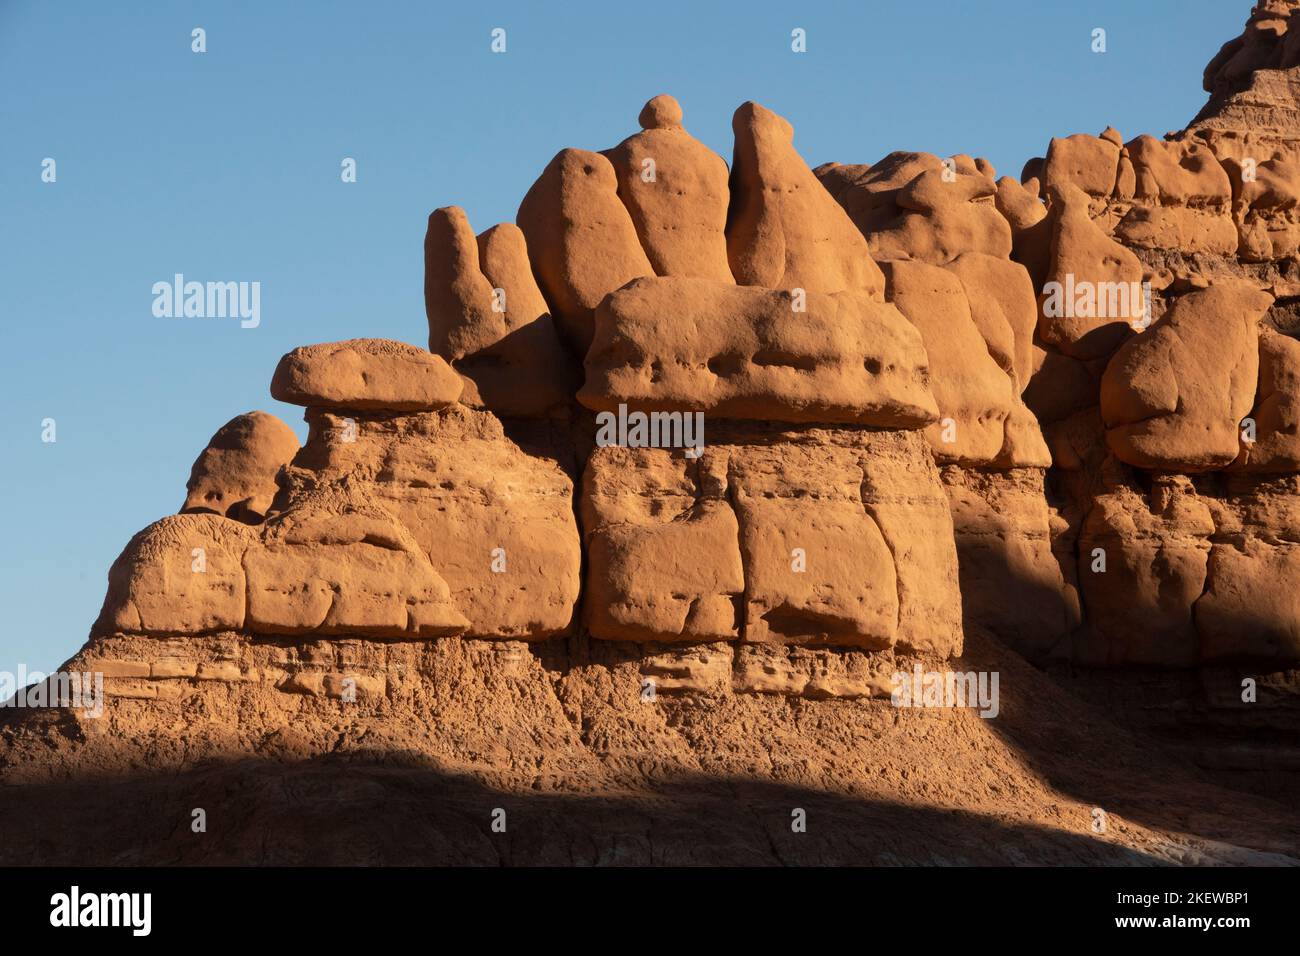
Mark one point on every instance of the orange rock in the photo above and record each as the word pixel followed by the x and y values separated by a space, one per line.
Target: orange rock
pixel 458 299
pixel 914 206
pixel 1175 227
pixel 1276 447
pixel 1089 163
pixel 181 575
pixel 337 563
pixel 1031 230
pixel 488 318
pixel 784 231
pixel 1173 397
pixel 1004 308
pixel 662 547
pixel 1244 613
pixel 496 520
pixel 662 533
pixel 235 475
pixel 581 240
pixel 981 417
pixel 1155 549
pixel 365 375
pixel 750 354
pixel 1005 545
pixel 818 570
pixel 1180 172
pixel 1093 294
pixel 675 189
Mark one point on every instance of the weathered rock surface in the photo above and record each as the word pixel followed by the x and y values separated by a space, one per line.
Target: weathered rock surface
pixel 767 536
pixel 581 240
pixel 181 575
pixel 235 475
pixel 489 319
pixel 783 230
pixel 918 206
pixel 1005 532
pixel 459 596
pixel 981 417
pixel 365 375
pixel 1247 610
pixel 599 754
pixel 1142 565
pixel 759 354
pixel 337 563
pixel 663 547
pixel 675 189
pixel 1174 397
pixel 495 520
pixel 1095 298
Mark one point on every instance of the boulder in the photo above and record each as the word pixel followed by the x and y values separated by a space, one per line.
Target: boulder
pixel 235 474
pixel 1173 398
pixel 784 231
pixel 581 239
pixel 1089 163
pixel 1092 297
pixel 181 575
pixel 757 353
pixel 365 375
pixel 675 189
pixel 489 319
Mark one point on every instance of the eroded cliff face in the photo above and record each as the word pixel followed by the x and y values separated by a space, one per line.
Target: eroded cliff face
pixel 701 458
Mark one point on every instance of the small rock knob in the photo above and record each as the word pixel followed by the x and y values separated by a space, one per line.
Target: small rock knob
pixel 662 112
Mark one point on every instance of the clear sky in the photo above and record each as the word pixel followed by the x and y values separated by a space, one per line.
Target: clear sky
pixel 226 166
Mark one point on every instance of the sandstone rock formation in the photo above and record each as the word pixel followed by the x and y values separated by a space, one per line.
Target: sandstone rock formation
pixel 783 231
pixel 235 475
pixel 365 375
pixel 488 318
pixel 947 419
pixel 1173 399
pixel 581 239
pixel 675 189
pixel 759 354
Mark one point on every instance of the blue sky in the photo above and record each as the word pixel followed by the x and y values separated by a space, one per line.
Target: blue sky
pixel 225 166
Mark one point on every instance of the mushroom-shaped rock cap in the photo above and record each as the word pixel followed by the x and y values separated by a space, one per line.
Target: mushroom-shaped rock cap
pixel 366 375
pixel 661 112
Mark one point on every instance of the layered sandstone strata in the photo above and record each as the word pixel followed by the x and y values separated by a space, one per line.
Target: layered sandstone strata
pixel 911 373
